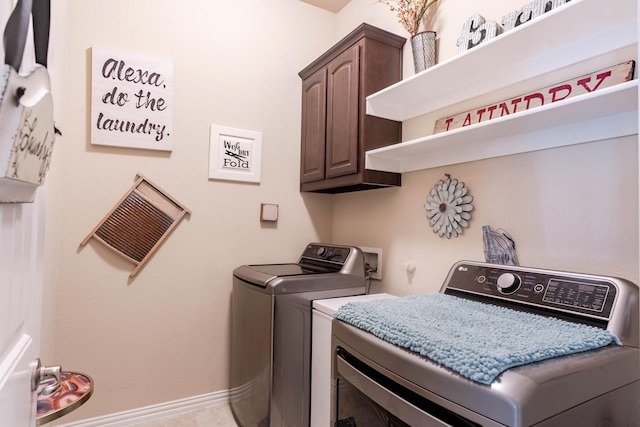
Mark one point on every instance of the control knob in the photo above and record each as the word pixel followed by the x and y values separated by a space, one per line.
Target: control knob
pixel 508 283
pixel 321 251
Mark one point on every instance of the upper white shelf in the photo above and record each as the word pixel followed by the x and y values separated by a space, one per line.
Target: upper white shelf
pixel 578 38
pixel 582 36
pixel 606 113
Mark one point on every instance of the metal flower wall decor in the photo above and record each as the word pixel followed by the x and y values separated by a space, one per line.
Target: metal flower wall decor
pixel 448 207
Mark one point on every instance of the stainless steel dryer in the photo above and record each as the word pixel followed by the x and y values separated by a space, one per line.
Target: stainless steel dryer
pixel 381 384
pixel 271 331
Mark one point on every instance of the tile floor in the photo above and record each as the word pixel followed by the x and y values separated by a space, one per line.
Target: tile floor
pixel 215 416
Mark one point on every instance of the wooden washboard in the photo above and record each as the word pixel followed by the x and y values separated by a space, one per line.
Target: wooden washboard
pixel 139 222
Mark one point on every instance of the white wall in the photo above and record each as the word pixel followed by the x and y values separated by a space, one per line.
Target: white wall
pixel 572 208
pixel 165 334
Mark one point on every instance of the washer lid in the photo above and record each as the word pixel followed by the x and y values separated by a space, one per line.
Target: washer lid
pixel 283 270
pixel 262 274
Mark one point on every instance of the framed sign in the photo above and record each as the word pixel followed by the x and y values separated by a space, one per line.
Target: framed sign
pixel 235 154
pixel 131 100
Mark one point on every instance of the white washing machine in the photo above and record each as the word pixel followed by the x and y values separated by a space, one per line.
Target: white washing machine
pixel 321 354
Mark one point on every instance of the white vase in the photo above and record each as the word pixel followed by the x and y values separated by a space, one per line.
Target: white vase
pixel 424 50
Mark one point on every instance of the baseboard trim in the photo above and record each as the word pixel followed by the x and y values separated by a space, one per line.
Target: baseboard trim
pixel 155 412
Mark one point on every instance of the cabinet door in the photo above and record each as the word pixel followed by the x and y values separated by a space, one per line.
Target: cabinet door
pixel 314 110
pixel 342 114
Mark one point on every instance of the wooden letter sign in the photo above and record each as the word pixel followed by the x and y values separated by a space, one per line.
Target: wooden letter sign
pixel 578 86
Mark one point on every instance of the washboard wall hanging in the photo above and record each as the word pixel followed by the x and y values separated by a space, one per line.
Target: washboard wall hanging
pixel 138 224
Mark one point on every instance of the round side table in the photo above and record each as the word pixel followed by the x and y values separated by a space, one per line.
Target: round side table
pixel 75 389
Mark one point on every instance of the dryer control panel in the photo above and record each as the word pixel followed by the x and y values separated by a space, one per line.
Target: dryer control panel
pixel 555 291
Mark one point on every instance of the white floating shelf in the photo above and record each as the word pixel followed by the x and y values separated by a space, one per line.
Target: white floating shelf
pixel 606 113
pixel 578 38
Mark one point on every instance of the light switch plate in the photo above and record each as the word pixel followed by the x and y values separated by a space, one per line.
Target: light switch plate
pixel 268 212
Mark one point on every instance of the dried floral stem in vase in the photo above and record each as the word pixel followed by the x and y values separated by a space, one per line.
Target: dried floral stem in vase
pixel 410 12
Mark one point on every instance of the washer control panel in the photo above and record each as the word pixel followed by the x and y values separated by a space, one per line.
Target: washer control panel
pixel 576 294
pixel 323 252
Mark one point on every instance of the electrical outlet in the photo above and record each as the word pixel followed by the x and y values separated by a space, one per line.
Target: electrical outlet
pixel 373 262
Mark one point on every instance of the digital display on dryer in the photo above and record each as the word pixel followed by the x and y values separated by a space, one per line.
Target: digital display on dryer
pixel 583 295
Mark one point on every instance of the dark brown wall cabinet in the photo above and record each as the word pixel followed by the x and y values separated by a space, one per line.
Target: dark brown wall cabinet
pixel 336 132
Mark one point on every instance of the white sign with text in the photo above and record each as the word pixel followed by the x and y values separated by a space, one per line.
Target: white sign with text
pixel 131 100
pixel 235 154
